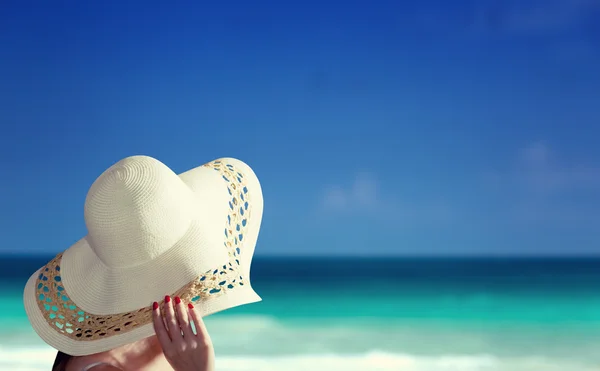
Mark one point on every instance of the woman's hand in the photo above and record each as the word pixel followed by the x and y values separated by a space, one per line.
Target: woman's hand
pixel 184 350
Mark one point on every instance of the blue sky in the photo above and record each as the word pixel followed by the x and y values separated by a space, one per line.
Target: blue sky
pixel 389 127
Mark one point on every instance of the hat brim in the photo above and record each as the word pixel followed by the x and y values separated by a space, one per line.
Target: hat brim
pixel 80 306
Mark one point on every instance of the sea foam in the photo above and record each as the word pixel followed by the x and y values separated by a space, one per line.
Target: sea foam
pixel 40 359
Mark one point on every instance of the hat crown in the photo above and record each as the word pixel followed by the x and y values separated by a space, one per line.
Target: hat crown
pixel 136 210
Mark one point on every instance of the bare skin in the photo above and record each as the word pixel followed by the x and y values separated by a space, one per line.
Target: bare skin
pixel 174 347
pixel 143 355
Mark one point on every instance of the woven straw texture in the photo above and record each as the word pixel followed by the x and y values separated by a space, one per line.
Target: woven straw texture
pixel 64 316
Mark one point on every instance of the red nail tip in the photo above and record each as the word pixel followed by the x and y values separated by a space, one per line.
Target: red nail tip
pixel 190 305
pixel 177 300
pixel 155 305
pixel 167 298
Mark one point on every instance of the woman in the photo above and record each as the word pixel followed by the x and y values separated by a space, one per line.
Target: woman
pixel 175 346
pixel 101 303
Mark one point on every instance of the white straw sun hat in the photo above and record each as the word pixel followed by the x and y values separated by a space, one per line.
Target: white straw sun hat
pixel 151 233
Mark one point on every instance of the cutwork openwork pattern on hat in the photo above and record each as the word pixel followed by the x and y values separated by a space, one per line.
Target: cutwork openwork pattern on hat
pixel 65 317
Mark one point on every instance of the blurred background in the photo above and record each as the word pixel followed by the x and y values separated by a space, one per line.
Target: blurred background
pixel 430 169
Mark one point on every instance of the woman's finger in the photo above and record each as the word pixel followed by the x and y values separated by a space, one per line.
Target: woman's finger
pixel 171 320
pixel 201 331
pixel 183 319
pixel 159 326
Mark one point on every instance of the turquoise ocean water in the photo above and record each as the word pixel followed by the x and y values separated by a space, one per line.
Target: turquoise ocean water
pixel 382 315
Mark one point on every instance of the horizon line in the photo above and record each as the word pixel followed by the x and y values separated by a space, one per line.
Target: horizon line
pixel 363 256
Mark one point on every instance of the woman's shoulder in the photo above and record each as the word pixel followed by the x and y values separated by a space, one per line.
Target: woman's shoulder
pixel 91 366
pixel 101 367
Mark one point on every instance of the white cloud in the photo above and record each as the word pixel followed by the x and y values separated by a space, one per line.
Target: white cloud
pixel 535 154
pixel 360 195
pixel 538 170
pixel 534 16
pixel 527 17
pixel 541 187
pixel 564 21
pixel 541 171
pixel 363 196
pixel 335 198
